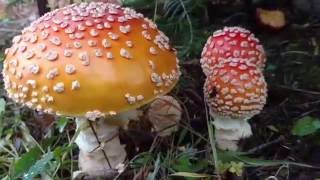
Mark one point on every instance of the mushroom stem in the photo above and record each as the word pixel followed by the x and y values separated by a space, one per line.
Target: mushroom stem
pixel 229 131
pixel 100 148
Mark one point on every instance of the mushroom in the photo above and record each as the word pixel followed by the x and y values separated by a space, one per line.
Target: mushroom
pixel 53 4
pixel 235 92
pixel 271 19
pixel 164 113
pixel 97 62
pixel 232 42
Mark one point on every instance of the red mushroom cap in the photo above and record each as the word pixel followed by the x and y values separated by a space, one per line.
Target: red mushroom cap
pixel 232 42
pixel 236 89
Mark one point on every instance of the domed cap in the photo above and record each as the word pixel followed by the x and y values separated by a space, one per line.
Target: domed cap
pixel 236 89
pixel 90 59
pixel 232 42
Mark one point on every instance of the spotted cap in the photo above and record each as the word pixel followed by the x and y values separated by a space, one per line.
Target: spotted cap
pixel 232 42
pixel 90 59
pixel 236 89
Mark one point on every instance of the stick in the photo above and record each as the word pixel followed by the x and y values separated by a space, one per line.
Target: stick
pixel 95 134
pixel 262 146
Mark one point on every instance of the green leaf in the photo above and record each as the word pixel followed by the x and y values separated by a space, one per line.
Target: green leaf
pixel 141 160
pixel 223 167
pixel 271 67
pixel 228 156
pixel 306 126
pixel 190 175
pixel 39 167
pixel 27 160
pixel 1 57
pixel 187 163
pixel 236 168
pixel 182 136
pixel 59 151
pixel 183 164
pixel 2 105
pixel 141 4
pixel 62 123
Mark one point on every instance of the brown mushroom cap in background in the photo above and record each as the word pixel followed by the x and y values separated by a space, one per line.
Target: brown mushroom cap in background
pixel 271 19
pixel 236 89
pixel 90 59
pixel 165 113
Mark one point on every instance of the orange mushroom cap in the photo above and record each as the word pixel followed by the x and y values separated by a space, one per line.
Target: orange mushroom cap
pixel 236 89
pixel 90 59
pixel 232 42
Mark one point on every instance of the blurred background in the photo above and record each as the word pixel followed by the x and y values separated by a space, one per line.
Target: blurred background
pixel 286 135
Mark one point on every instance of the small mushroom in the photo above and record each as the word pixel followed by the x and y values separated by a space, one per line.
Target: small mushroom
pixel 235 92
pixel 232 42
pixel 164 113
pixel 97 62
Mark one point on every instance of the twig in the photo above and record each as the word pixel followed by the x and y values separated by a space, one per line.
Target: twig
pixel 155 11
pixel 295 53
pixel 189 22
pixel 306 113
pixel 212 143
pixel 192 131
pixel 262 146
pixel 185 110
pixel 108 140
pixel 281 167
pixel 99 142
pixel 9 30
pixel 299 90
pixel 226 20
pixel 308 103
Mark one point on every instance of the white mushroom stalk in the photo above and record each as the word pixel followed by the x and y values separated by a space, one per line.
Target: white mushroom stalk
pixel 235 92
pixel 229 131
pixel 100 149
pixel 101 153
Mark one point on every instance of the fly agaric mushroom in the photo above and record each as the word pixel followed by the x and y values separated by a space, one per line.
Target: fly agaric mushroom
pixel 235 92
pixel 93 61
pixel 271 19
pixel 53 4
pixel 164 113
pixel 232 42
